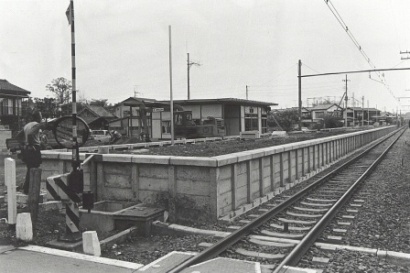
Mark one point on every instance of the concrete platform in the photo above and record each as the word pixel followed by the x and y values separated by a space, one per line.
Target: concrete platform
pixel 35 259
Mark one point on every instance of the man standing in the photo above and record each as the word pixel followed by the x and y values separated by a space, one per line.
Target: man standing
pixel 31 150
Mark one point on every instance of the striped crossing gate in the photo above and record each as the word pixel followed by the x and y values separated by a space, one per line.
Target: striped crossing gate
pixel 58 188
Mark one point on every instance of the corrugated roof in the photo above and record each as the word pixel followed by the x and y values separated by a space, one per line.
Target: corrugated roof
pixel 11 89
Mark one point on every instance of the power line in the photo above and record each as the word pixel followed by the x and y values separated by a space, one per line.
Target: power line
pixel 356 43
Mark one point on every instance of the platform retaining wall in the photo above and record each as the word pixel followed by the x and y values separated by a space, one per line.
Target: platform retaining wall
pixel 209 187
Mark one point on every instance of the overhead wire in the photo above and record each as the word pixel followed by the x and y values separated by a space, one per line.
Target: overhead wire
pixel 357 44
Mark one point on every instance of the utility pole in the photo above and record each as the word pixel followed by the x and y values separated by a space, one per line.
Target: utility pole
pixel 189 64
pixel 300 93
pixel 171 100
pixel 377 118
pixel 346 99
pixel 362 111
pixel 368 113
pixel 246 92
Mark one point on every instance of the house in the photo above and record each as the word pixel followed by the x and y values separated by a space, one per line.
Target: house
pixel 11 97
pixel 318 112
pixel 128 120
pixel 359 116
pixel 97 117
pixel 238 115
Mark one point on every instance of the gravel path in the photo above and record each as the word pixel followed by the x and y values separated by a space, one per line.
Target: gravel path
pixel 383 222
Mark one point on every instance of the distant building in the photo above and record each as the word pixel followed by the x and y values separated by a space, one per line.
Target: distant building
pixel 11 97
pixel 238 115
pixel 355 116
pixel 97 117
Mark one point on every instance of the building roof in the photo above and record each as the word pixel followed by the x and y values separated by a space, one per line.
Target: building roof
pixel 324 106
pixel 304 109
pixel 360 108
pixel 226 101
pixel 99 111
pixel 11 90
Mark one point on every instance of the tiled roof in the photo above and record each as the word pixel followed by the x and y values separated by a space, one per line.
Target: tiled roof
pixel 8 88
pixel 100 111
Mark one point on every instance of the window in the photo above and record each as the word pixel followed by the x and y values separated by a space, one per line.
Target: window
pixel 166 127
pixel 320 114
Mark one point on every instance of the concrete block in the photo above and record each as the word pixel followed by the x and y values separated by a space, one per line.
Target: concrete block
pixel 116 158
pixel 91 245
pixel 51 205
pixel 250 134
pixel 193 161
pixel 151 159
pixel 279 134
pixel 24 227
pixel 223 160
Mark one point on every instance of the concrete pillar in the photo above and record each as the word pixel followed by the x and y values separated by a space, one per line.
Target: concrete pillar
pixel 297 164
pixel 282 182
pixel 91 244
pixel 24 227
pixel 10 179
pixel 261 175
pixel 272 173
pixel 249 181
pixel 234 180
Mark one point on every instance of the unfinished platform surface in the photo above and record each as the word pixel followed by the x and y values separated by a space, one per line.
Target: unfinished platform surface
pixel 45 260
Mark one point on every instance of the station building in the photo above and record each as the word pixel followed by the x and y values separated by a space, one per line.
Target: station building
pixel 238 114
pixel 11 97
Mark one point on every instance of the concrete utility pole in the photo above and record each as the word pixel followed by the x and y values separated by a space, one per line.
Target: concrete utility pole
pixel 368 113
pixel 300 93
pixel 246 92
pixel 346 99
pixel 171 100
pixel 189 64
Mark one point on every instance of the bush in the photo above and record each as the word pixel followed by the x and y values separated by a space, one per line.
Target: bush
pixel 286 119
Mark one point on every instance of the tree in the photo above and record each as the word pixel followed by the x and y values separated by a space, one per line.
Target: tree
pixel 331 121
pixel 287 119
pixel 61 88
pixel 99 102
pixel 47 107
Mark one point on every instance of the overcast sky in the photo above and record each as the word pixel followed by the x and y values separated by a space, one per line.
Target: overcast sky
pixel 122 47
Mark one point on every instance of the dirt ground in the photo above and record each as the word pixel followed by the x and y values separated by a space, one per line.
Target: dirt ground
pixel 209 149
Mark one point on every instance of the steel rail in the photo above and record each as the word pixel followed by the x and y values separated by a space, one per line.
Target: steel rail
pixel 303 246
pixel 237 235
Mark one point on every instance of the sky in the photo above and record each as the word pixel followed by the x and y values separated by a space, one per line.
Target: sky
pixel 122 49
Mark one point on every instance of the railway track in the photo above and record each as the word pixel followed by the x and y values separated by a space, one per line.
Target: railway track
pixel 281 233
